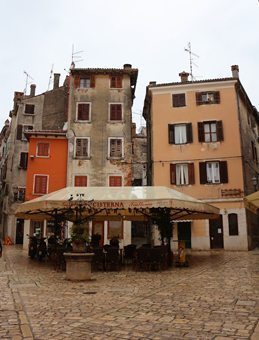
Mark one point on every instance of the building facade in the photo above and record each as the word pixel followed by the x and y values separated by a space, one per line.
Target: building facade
pixel 203 141
pixel 30 112
pixel 100 136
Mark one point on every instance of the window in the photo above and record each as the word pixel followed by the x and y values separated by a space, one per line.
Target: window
pixel 21 130
pixel 42 150
pixel 116 82
pixel 23 160
pixel 180 133
pixel 115 112
pixel 233 224
pixel 40 184
pixel 115 181
pixel 213 172
pixel 19 195
pixel 254 152
pixel 212 97
pixel 211 131
pixel 85 82
pixel 115 148
pixel 83 111
pixel 80 181
pixel 182 174
pixel 82 149
pixel 115 229
pixel 29 109
pixel 179 100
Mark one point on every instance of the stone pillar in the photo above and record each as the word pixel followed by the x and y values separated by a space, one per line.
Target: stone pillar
pixel 78 266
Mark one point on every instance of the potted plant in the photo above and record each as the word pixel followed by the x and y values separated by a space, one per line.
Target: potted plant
pixel 79 237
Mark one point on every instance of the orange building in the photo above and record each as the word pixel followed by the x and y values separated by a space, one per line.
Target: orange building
pixel 46 163
pixel 202 141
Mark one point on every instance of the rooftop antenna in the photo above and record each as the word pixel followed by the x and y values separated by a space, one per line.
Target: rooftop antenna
pixel 27 81
pixel 191 55
pixel 76 57
pixel 50 76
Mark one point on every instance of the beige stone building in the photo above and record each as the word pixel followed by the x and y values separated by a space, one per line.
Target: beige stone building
pixel 100 136
pixel 203 141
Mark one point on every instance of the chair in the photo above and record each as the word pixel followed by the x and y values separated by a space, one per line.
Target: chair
pixel 143 258
pixel 98 261
pixel 157 258
pixel 129 253
pixel 112 259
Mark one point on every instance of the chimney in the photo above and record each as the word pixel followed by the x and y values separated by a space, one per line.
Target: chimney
pixel 235 71
pixel 127 66
pixel 56 81
pixel 33 89
pixel 184 76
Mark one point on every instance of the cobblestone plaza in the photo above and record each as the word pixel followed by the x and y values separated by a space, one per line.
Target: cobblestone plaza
pixel 217 297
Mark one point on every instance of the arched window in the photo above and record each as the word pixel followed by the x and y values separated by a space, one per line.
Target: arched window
pixel 233 224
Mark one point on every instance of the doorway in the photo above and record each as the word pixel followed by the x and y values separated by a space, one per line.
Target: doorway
pixel 216 233
pixel 19 231
pixel 184 233
pixel 98 228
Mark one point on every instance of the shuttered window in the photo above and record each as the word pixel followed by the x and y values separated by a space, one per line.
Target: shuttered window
pixel 115 181
pixel 43 150
pixel 210 131
pixel 233 224
pixel 23 160
pixel 29 109
pixel 116 147
pixel 115 112
pixel 116 82
pixel 80 181
pixel 213 172
pixel 211 97
pixel 179 100
pixel 83 111
pixel 40 184
pixel 82 147
pixel 180 133
pixel 87 81
pixel 182 173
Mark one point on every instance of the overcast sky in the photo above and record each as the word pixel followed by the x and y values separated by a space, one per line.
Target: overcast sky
pixel 149 34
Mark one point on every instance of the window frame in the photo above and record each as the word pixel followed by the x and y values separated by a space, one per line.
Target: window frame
pixel 109 147
pixel 121 112
pixel 115 178
pixel 23 162
pixel 78 178
pixel 116 81
pixel 37 150
pixel 20 195
pixel 219 133
pixel 23 129
pixel 29 106
pixel 173 174
pixel 34 184
pixel 200 97
pixel 172 133
pixel 223 172
pixel 88 148
pixel 178 100
pixel 89 112
pixel 233 228
pixel 120 225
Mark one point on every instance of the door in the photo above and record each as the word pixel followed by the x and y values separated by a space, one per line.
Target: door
pixel 19 231
pixel 98 228
pixel 184 233
pixel 216 233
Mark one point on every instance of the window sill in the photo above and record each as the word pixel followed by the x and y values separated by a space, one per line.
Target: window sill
pixel 82 158
pixel 83 121
pixel 116 158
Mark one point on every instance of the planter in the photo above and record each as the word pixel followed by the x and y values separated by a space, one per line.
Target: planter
pixel 79 247
pixel 78 266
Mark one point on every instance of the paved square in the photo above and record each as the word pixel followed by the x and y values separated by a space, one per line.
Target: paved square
pixel 217 297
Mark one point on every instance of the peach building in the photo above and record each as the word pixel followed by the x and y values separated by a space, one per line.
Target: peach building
pixel 46 163
pixel 202 141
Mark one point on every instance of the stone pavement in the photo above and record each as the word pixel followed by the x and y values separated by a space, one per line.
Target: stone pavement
pixel 217 297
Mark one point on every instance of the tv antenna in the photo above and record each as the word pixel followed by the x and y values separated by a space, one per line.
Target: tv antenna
pixel 191 55
pixel 50 76
pixel 76 57
pixel 27 81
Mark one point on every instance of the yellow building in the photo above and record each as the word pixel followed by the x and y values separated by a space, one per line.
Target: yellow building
pixel 202 141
